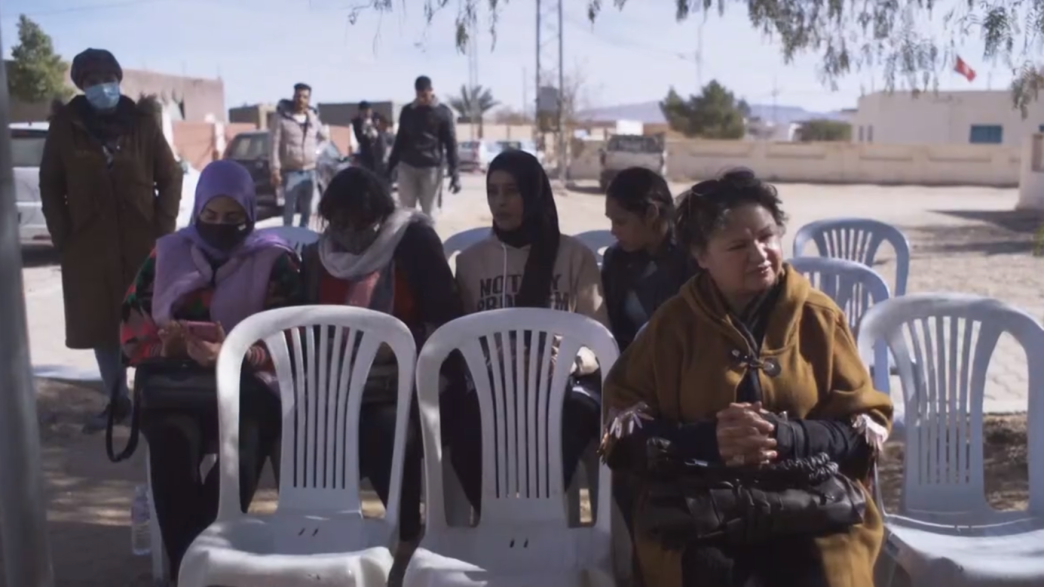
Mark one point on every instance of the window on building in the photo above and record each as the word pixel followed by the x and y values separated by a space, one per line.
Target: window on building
pixel 1040 128
pixel 988 134
pixel 870 134
pixel 860 133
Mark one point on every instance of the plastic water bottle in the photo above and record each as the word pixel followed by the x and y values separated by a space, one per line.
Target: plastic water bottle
pixel 141 538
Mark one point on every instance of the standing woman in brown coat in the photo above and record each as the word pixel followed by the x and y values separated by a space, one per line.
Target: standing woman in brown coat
pixel 109 186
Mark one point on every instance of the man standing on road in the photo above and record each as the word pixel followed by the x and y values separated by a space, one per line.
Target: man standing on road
pixel 109 187
pixel 426 129
pixel 366 134
pixel 296 135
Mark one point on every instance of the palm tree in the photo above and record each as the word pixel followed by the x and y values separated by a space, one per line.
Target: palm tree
pixel 472 104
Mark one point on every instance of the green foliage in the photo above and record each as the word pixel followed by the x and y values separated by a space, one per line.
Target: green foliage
pixel 898 37
pixel 825 130
pixel 714 114
pixel 37 73
pixel 473 103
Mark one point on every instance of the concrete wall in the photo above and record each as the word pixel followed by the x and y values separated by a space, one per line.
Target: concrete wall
pixel 1031 182
pixel 335 114
pixel 201 99
pixel 691 160
pixel 341 136
pixel 199 143
pixel 256 115
pixel 494 132
pixel 942 118
pixel 195 142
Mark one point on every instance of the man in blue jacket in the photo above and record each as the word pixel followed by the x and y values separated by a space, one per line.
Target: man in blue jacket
pixel 426 130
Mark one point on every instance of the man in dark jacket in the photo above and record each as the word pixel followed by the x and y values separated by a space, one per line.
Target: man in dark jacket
pixel 109 187
pixel 426 129
pixel 366 135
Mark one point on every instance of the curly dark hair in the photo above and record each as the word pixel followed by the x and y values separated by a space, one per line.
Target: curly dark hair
pixel 637 189
pixel 703 208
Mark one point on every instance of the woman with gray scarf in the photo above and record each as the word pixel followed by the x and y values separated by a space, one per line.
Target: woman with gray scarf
pixel 374 255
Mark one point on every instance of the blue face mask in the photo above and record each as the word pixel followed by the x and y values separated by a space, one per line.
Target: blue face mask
pixel 103 96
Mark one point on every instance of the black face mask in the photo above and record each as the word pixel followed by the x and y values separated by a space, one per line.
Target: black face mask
pixel 224 237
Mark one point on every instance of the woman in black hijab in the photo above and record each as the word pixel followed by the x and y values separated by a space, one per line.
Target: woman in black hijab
pixel 527 262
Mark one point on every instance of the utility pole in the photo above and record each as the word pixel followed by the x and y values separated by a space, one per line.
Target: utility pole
pixel 563 155
pixel 525 93
pixel 475 116
pixel 26 549
pixel 550 84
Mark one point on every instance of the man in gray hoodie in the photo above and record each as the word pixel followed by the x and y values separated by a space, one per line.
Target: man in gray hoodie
pixel 296 135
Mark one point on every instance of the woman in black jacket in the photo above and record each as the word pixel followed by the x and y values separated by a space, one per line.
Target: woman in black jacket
pixel 646 266
pixel 377 256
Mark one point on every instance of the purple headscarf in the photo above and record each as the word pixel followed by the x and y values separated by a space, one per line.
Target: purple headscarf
pixel 184 263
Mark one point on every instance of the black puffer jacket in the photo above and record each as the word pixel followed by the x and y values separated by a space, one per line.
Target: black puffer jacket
pixel 424 132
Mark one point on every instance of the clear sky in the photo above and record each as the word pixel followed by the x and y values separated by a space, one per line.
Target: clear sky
pixel 261 47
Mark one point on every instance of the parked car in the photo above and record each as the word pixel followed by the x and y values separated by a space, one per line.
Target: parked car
pixel 27 143
pixel 476 155
pixel 623 151
pixel 527 146
pixel 252 150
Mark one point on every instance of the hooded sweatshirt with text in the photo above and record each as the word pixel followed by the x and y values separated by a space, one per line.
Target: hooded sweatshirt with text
pixel 489 275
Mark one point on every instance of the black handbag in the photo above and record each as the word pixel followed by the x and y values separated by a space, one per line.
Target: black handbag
pixel 162 384
pixel 687 501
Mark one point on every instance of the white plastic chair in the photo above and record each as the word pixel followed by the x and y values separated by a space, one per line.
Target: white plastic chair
pixel 598 241
pixel 458 508
pixel 857 239
pixel 463 240
pixel 523 535
pixel 318 533
pixel 854 287
pixel 298 237
pixel 946 533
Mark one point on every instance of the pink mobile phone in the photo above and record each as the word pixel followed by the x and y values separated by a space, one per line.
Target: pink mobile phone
pixel 206 331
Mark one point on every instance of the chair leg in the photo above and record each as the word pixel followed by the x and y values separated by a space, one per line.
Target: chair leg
pixel 588 467
pixel 591 466
pixel 159 571
pixel 573 500
pixel 207 464
pixel 458 508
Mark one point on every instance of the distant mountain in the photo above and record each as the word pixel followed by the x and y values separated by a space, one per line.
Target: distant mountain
pixel 649 113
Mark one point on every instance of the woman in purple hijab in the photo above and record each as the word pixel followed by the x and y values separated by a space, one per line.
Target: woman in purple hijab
pixel 218 271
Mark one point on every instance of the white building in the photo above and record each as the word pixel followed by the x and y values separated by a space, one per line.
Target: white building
pixel 976 116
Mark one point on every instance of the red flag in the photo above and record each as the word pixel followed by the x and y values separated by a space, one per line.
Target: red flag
pixel 964 69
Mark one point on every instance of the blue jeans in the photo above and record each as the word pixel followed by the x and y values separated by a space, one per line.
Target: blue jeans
pixel 298 187
pixel 110 364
